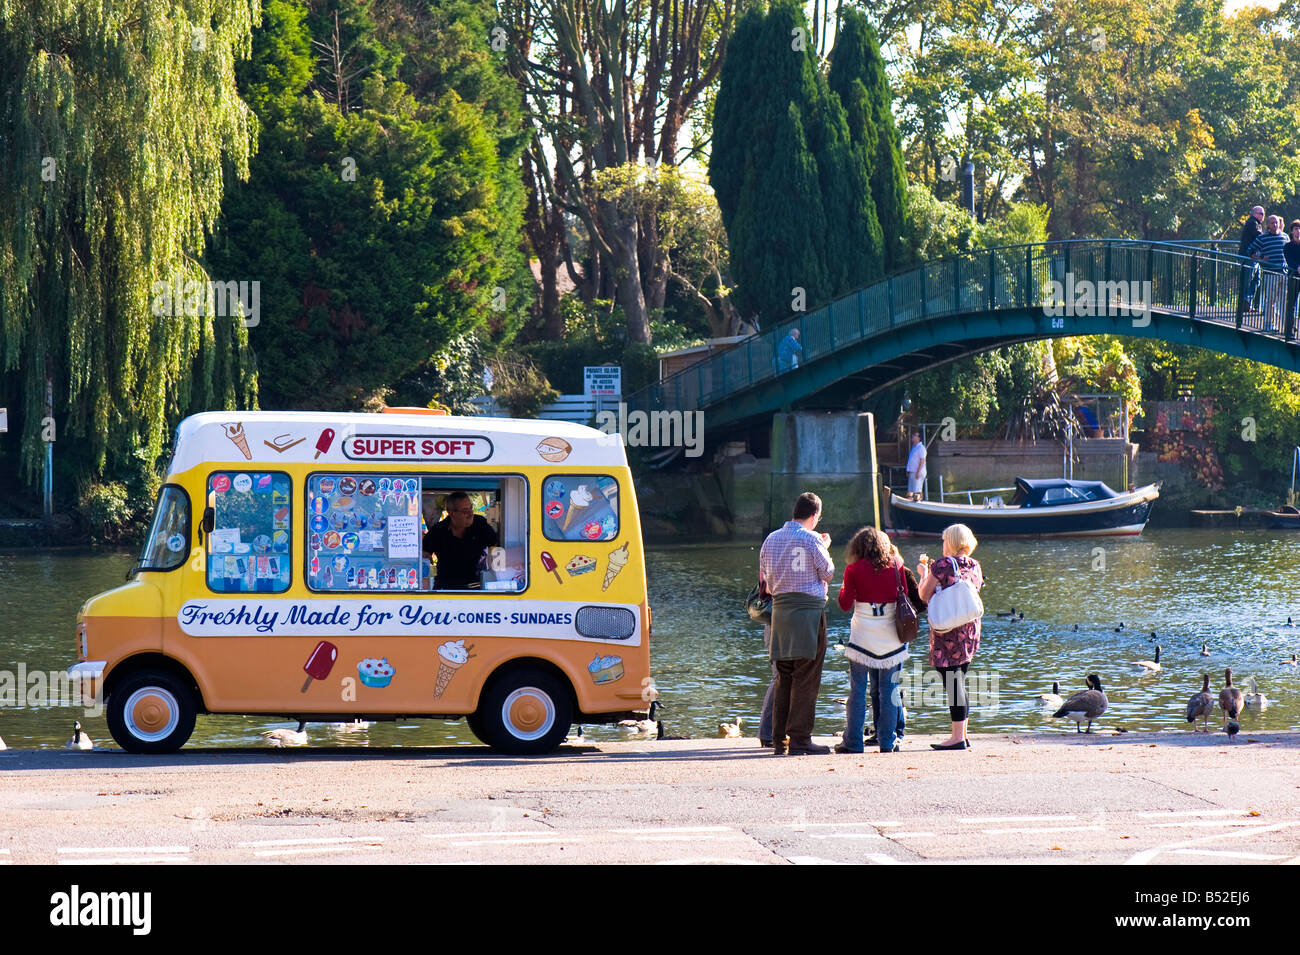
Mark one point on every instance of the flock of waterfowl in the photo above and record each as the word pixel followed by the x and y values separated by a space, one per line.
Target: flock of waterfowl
pixel 1089 704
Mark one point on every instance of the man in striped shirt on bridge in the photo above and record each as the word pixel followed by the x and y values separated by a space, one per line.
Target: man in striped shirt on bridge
pixel 1267 248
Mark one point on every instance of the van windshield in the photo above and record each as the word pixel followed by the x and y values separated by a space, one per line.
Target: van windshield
pixel 168 542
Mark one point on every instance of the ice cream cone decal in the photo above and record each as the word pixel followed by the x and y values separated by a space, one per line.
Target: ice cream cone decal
pixel 452 655
pixel 235 432
pixel 617 561
pixel 579 501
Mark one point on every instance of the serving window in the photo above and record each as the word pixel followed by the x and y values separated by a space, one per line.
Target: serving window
pixel 397 532
pixel 248 548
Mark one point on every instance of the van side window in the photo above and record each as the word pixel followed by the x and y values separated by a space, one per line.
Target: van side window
pixel 476 532
pixel 248 549
pixel 580 507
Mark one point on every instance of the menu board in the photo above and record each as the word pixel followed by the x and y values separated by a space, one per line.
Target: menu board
pixel 363 532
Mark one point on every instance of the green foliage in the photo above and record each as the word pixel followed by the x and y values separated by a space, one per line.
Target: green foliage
pixel 857 75
pixel 121 126
pixel 384 227
pixel 1023 223
pixel 935 228
pixel 792 182
pixel 983 391
pixel 520 386
pixel 1099 365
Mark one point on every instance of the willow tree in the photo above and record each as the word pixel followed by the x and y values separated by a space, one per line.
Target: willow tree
pixel 122 122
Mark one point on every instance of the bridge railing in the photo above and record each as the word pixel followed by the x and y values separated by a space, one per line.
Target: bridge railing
pixel 1199 278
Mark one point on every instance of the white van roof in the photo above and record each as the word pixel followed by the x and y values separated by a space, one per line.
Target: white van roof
pixel 267 439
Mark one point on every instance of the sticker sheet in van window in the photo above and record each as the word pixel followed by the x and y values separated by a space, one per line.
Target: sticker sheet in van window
pixel 248 549
pixel 580 507
pixel 363 532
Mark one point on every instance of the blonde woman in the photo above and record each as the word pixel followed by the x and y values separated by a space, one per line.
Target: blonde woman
pixel 951 651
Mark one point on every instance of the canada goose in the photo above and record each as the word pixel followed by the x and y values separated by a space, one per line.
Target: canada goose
pixel 1120 627
pixel 1205 649
pixel 1076 628
pixel 1150 666
pixel 279 739
pixel 1230 699
pixel 1232 729
pixel 351 726
pixel 1288 663
pixel 638 727
pixel 1087 704
pixel 1007 613
pixel 1289 623
pixel 730 730
pixel 1256 700
pixel 1051 699
pixel 1202 705
pixel 576 738
pixel 79 738
pixel 1152 637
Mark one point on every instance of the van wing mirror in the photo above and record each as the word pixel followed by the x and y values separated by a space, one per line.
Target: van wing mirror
pixel 205 525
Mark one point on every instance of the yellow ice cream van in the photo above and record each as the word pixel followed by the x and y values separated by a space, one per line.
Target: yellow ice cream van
pixel 333 567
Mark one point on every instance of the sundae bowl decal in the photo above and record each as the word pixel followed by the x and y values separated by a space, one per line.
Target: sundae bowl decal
pixel 376 673
pixel 605 669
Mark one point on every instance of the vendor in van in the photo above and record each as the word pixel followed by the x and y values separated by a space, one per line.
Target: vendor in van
pixel 458 541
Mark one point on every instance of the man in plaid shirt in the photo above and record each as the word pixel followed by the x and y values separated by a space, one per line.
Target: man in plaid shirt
pixel 796 567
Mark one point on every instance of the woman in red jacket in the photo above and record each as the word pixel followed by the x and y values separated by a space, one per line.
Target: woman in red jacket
pixel 874 652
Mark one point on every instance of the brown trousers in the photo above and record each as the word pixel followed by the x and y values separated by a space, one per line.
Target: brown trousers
pixel 794 702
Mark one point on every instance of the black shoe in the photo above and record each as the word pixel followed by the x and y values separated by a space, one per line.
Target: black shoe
pixel 964 744
pixel 765 743
pixel 841 748
pixel 871 741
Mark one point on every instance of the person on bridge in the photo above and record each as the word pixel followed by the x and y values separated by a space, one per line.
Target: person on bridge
pixel 1268 250
pixel 796 566
pixel 1250 231
pixel 916 467
pixel 788 352
pixel 1292 252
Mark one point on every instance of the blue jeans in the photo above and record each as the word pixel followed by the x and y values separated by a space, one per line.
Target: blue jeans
pixel 886 699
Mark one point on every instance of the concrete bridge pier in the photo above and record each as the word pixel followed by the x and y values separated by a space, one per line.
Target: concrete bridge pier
pixel 832 454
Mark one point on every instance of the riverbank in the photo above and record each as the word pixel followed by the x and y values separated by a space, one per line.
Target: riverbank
pixel 1035 798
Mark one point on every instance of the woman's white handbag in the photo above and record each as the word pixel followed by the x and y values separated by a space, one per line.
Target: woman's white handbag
pixel 954 605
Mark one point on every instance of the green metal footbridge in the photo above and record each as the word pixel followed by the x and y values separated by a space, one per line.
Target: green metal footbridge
pixel 1183 292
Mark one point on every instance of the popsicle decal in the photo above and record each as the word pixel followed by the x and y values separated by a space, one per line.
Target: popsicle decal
pixel 235 432
pixel 320 662
pixel 324 441
pixel 550 566
pixel 452 655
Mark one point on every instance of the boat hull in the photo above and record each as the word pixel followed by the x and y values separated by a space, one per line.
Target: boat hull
pixel 1122 516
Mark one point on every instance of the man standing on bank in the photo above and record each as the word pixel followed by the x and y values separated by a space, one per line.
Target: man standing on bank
pixel 795 563
pixel 916 468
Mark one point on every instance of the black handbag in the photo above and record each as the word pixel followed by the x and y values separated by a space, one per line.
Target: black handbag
pixel 759 604
pixel 904 614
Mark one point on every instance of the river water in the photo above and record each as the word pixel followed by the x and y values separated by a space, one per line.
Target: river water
pixel 1232 590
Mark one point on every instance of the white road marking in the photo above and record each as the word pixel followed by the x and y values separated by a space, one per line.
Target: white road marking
pixel 812 860
pixel 496 835
pixel 912 835
pixel 122 860
pixel 1193 812
pixel 1146 855
pixel 833 825
pixel 633 832
pixel 540 840
pixel 847 835
pixel 315 850
pixel 1223 854
pixel 681 838
pixel 324 840
pixel 1246 823
pixel 979 819
pixel 152 850
pixel 998 832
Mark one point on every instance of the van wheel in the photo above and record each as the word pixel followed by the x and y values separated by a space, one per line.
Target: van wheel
pixel 151 711
pixel 524 712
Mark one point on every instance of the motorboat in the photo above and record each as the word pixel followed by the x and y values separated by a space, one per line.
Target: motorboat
pixel 1050 507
